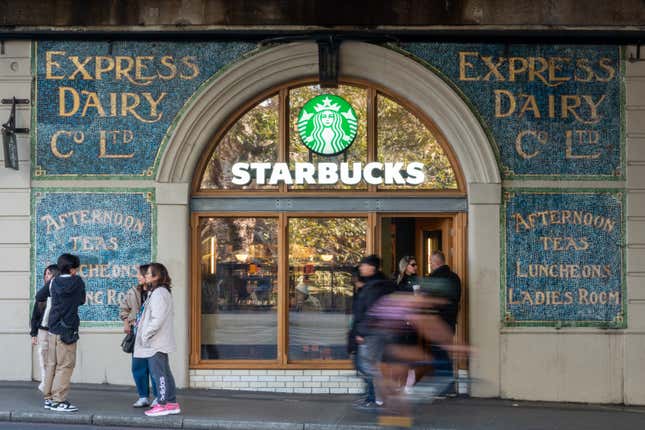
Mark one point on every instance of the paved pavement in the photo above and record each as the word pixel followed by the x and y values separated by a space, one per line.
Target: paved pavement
pixel 109 405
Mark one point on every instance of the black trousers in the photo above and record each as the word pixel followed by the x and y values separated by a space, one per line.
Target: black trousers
pixel 160 370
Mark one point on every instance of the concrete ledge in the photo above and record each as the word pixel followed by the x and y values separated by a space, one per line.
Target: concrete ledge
pixel 341 426
pixel 173 422
pixel 208 424
pixel 51 417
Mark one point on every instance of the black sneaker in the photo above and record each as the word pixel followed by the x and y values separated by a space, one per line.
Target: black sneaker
pixel 48 404
pixel 64 406
pixel 360 400
pixel 367 406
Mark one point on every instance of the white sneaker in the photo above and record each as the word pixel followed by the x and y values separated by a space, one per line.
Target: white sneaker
pixel 154 403
pixel 64 406
pixel 141 403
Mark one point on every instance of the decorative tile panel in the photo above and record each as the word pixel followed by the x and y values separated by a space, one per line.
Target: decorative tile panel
pixel 111 231
pixel 551 110
pixel 563 261
pixel 103 109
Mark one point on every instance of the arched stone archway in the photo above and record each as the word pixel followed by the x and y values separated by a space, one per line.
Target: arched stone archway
pixel 411 80
pixel 225 93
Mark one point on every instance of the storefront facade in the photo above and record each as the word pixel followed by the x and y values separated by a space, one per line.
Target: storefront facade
pixel 532 157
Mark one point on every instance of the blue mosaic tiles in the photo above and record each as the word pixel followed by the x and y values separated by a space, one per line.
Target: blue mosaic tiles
pixel 552 110
pixel 563 258
pixel 104 108
pixel 111 231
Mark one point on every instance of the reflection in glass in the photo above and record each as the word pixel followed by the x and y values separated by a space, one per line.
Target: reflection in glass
pixel 402 137
pixel 239 266
pixel 298 152
pixel 253 138
pixel 322 252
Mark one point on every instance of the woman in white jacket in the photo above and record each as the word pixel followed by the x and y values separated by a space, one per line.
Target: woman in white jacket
pixel 155 339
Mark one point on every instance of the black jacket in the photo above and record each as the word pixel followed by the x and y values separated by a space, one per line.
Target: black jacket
pixel 406 283
pixel 68 293
pixel 449 311
pixel 40 302
pixel 375 287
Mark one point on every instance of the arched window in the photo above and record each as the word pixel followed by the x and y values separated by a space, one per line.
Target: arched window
pixel 387 132
pixel 272 283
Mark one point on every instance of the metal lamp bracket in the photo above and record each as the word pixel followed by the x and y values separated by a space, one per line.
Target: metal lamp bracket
pixel 10 125
pixel 9 131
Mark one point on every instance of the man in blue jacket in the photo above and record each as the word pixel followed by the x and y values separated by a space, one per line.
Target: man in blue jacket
pixel 67 294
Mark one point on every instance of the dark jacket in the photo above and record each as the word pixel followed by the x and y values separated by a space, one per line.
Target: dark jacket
pixel 40 302
pixel 68 293
pixel 449 311
pixel 406 283
pixel 375 287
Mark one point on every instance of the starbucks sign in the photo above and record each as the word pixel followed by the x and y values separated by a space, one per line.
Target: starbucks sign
pixel 327 124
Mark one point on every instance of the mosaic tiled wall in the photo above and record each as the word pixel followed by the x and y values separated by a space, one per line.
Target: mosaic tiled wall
pixel 104 108
pixel 551 110
pixel 563 258
pixel 111 231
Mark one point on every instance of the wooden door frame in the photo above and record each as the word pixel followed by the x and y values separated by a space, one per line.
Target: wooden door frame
pixel 457 261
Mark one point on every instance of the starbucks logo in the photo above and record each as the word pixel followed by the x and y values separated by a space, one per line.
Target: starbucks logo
pixel 327 124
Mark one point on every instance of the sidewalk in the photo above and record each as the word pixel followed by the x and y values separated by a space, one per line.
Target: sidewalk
pixel 109 405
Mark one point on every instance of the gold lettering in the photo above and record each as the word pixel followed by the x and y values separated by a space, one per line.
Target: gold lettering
pixel 498 103
pixel 606 65
pixel 154 103
pixel 615 296
pixel 121 69
pixel 54 144
pixel 539 136
pixel 140 68
pixel 493 68
pixel 556 66
pixel 167 61
pixel 514 69
pixel 76 101
pixel 80 68
pixel 510 298
pixel 534 72
pixel 92 100
pixel 583 64
pixel 127 138
pixel 530 104
pixel 100 69
pixel 464 66
pixel 50 64
pixel 186 61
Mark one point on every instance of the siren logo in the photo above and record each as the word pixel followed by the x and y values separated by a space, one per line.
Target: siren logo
pixel 327 124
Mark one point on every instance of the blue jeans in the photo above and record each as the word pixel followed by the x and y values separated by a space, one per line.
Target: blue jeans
pixel 368 358
pixel 141 375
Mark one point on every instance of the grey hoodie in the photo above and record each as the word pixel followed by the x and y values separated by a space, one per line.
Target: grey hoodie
pixel 155 331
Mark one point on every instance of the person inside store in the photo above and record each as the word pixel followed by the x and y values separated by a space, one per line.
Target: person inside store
pixel 448 312
pixel 304 300
pixel 406 277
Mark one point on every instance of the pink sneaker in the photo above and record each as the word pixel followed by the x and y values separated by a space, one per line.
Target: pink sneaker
pixel 157 411
pixel 162 410
pixel 172 408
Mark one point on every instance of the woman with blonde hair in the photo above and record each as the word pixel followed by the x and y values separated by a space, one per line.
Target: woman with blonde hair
pixel 407 274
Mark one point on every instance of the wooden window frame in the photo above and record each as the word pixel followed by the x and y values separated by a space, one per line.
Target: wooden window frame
pixel 282 361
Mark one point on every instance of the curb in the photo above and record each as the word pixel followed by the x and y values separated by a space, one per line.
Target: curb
pixel 173 422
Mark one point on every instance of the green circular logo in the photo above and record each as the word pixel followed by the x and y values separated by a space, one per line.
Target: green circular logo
pixel 327 124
